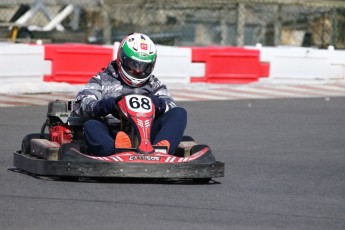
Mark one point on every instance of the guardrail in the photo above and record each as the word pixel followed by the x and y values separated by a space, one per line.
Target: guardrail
pixel 297 64
pixel 77 63
pixel 22 62
pixel 229 64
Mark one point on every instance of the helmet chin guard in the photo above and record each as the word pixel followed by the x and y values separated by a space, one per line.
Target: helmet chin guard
pixel 131 81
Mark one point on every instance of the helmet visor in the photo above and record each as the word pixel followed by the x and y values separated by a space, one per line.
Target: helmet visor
pixel 135 68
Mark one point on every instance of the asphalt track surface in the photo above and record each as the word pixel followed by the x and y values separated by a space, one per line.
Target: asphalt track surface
pixel 285 169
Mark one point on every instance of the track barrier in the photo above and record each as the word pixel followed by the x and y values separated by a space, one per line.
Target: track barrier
pixel 174 64
pixel 22 62
pixel 75 63
pixel 303 65
pixel 229 65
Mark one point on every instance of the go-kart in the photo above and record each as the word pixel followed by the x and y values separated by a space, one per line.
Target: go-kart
pixel 62 151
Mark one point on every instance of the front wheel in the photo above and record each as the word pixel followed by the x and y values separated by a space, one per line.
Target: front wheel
pixel 187 138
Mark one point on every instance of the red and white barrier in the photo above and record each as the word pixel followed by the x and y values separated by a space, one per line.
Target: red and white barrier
pixel 229 64
pixel 22 62
pixel 77 63
pixel 174 64
pixel 303 65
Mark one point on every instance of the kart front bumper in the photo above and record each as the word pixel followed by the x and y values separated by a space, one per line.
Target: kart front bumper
pixel 42 167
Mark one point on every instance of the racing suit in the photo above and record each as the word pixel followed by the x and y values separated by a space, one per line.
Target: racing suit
pixel 99 135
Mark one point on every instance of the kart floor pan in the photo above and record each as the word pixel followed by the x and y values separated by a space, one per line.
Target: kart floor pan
pixel 43 167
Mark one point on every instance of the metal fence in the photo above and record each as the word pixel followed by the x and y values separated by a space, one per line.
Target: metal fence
pixel 178 22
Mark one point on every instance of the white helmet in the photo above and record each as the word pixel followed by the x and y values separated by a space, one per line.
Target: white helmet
pixel 136 59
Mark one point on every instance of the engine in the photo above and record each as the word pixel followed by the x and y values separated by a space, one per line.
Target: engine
pixel 60 134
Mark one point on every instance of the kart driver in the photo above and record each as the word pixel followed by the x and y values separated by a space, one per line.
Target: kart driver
pixel 129 73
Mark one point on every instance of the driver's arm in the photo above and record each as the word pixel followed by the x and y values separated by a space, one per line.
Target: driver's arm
pixel 87 98
pixel 163 94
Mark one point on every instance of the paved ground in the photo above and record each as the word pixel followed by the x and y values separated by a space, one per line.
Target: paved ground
pixel 203 92
pixel 284 170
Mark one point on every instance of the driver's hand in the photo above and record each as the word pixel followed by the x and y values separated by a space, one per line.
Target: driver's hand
pixel 105 106
pixel 160 104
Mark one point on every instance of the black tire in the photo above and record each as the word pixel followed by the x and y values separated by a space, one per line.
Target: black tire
pixel 26 146
pixel 202 180
pixel 187 138
pixel 69 178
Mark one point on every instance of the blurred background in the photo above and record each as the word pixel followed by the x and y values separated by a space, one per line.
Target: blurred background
pixel 307 23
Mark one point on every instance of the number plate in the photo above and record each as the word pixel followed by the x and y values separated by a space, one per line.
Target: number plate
pixel 139 103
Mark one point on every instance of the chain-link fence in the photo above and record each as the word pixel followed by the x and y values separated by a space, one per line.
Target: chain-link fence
pixel 178 22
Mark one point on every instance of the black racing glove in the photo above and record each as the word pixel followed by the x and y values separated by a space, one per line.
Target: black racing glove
pixel 105 106
pixel 160 105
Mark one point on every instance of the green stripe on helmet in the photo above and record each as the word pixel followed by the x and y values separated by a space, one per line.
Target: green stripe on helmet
pixel 144 57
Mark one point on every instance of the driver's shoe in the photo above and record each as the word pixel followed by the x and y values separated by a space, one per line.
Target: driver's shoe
pixel 164 143
pixel 122 140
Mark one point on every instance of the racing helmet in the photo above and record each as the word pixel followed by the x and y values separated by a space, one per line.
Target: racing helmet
pixel 136 59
